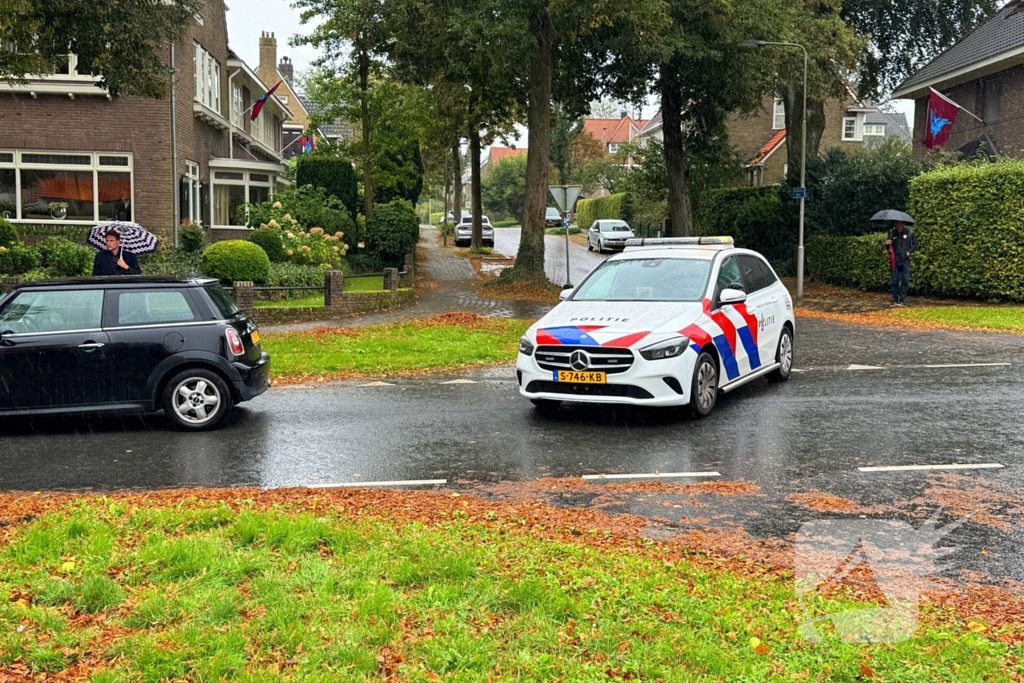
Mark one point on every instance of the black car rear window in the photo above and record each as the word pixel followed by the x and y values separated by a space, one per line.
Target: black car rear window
pixel 224 303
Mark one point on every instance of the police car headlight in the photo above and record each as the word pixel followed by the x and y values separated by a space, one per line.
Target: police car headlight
pixel 525 346
pixel 670 348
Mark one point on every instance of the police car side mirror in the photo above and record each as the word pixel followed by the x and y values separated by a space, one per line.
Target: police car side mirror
pixel 565 293
pixel 732 296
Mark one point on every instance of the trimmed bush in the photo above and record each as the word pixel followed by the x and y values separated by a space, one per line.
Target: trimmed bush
pixel 192 237
pixel 752 216
pixel 176 262
pixel 363 262
pixel 236 260
pixel 860 262
pixel 8 234
pixel 393 231
pixel 63 258
pixel 970 227
pixel 614 207
pixel 335 175
pixel 269 239
pixel 291 275
pixel 18 259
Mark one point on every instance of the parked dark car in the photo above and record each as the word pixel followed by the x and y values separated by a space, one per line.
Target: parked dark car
pixel 553 218
pixel 129 344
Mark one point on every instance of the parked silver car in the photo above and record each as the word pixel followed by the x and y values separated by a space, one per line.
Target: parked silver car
pixel 608 235
pixel 464 232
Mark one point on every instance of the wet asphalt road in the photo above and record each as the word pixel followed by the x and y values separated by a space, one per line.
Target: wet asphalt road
pixel 581 261
pixel 811 433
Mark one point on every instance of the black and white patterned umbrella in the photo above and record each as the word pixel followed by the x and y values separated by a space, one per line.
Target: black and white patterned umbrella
pixel 134 238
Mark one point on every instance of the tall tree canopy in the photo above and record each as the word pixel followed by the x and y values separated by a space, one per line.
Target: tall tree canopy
pixel 109 39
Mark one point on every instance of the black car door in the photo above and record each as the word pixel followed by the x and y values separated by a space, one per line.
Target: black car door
pixel 53 352
pixel 145 327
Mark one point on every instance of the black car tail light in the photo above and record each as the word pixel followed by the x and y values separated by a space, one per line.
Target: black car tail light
pixel 234 342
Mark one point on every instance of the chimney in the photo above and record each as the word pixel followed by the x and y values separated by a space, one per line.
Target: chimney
pixel 623 114
pixel 287 70
pixel 268 51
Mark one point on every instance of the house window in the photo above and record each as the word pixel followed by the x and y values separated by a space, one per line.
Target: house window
pixel 613 147
pixel 993 101
pixel 70 187
pixel 206 78
pixel 191 194
pixel 779 114
pixel 237 106
pixel 874 129
pixel 232 189
pixel 849 128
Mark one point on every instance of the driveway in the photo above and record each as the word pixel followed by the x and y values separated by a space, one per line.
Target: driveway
pixel 581 261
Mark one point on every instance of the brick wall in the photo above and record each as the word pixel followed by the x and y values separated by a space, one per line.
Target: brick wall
pixel 352 303
pixel 1007 133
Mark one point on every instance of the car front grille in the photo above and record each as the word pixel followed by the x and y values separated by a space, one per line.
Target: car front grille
pixel 538 386
pixel 605 359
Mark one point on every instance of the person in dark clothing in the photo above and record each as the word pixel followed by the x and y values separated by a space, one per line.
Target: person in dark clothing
pixel 901 244
pixel 114 260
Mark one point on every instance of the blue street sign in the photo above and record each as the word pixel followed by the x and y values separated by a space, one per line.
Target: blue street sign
pixel 800 193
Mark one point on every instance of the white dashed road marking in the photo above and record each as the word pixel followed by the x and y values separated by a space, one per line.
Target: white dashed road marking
pixel 652 475
pixel 864 367
pixel 360 484
pixel 954 466
pixel 966 365
pixel 377 384
pixel 460 381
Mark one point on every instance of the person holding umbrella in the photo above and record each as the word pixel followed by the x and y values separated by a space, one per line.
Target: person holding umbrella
pixel 119 245
pixel 900 243
pixel 115 260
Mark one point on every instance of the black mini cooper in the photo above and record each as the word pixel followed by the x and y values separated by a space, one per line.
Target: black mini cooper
pixel 128 344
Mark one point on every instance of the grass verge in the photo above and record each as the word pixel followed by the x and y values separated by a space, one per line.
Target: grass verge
pixel 970 318
pixel 396 586
pixel 447 341
pixel 316 300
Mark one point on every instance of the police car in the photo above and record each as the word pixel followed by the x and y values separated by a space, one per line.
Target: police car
pixel 667 322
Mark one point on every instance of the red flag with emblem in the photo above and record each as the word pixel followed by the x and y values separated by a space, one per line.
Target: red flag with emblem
pixel 942 113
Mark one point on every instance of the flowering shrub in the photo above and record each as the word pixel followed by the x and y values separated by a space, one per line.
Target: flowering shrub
pixel 315 248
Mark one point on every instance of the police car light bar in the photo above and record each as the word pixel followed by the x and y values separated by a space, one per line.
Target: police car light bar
pixel 676 241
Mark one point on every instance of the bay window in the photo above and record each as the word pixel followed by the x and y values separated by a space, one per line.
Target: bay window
pixel 206 78
pixel 234 188
pixel 80 187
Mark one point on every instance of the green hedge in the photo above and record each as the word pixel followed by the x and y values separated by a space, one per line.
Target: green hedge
pixel 269 239
pixel 752 216
pixel 8 234
pixel 613 207
pixel 859 262
pixel 393 231
pixel 18 259
pixel 236 260
pixel 60 257
pixel 335 175
pixel 970 230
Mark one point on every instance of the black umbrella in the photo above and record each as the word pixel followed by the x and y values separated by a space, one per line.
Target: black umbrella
pixel 892 215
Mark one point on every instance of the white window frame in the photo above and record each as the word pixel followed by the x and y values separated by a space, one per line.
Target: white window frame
pixel 853 137
pixel 206 79
pixel 613 148
pixel 778 114
pixel 93 166
pixel 247 182
pixel 237 104
pixel 874 129
pixel 194 213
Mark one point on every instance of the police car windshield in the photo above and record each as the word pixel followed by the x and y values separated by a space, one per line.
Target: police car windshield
pixel 656 279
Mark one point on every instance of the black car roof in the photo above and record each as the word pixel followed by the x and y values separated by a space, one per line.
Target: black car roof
pixel 119 282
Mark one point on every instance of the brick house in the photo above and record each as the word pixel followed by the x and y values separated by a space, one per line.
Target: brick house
pixel 611 133
pixel 984 73
pixel 72 153
pixel 760 138
pixel 493 156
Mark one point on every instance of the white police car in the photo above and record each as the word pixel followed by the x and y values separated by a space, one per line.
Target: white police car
pixel 667 322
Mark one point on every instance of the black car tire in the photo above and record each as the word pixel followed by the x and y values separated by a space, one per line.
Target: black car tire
pixel 200 384
pixel 783 356
pixel 702 396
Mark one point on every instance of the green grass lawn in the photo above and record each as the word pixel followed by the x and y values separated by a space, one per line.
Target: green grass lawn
pixel 397 348
pixel 207 591
pixel 1008 318
pixel 316 300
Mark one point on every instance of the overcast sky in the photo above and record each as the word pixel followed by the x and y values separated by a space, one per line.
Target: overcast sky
pixel 248 18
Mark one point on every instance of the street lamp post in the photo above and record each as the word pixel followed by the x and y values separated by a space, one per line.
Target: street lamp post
pixel 803 162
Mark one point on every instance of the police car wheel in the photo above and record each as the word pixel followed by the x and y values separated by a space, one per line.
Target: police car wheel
pixel 784 357
pixel 704 387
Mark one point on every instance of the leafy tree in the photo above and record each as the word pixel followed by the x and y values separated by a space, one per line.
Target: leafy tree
pixel 565 131
pixel 353 34
pixel 504 188
pixel 108 39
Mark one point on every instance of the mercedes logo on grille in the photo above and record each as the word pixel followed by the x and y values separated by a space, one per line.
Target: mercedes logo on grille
pixel 579 360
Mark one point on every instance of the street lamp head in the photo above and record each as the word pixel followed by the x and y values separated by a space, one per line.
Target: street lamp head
pixel 752 43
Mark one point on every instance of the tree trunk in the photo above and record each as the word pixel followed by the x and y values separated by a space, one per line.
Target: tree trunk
pixel 792 99
pixel 680 208
pixel 530 258
pixel 447 190
pixel 364 107
pixel 457 160
pixel 477 206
